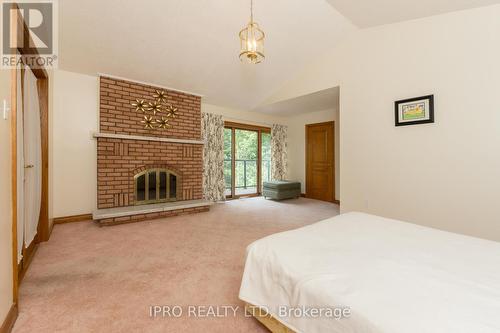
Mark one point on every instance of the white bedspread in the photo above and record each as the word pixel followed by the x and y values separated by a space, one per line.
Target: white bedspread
pixel 395 277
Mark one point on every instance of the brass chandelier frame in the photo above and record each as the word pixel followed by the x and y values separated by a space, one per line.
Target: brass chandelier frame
pixel 252 41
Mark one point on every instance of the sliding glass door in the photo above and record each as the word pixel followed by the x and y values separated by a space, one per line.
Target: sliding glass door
pixel 246 159
pixel 228 160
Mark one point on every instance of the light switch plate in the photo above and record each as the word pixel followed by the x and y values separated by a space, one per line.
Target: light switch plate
pixel 5 110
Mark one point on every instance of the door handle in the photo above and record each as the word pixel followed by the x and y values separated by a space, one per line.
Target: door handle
pixel 29 166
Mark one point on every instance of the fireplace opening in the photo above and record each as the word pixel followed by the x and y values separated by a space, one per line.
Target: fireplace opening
pixel 154 186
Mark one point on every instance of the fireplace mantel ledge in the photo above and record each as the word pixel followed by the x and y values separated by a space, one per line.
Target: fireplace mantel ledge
pixel 145 138
pixel 146 209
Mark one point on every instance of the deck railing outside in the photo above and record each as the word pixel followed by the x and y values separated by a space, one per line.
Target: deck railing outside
pixel 266 166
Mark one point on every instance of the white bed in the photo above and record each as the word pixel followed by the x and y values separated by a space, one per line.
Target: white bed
pixel 395 277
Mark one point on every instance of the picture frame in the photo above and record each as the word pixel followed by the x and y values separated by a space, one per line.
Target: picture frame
pixel 414 111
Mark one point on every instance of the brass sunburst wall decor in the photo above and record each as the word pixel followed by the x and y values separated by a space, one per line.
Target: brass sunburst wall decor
pixel 140 105
pixel 155 107
pixel 160 96
pixel 171 111
pixel 163 122
pixel 148 122
pixel 160 111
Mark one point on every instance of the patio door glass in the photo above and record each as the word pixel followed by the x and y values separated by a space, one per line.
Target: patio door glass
pixel 228 161
pixel 246 159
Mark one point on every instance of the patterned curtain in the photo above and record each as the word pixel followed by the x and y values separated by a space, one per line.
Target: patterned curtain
pixel 213 157
pixel 278 152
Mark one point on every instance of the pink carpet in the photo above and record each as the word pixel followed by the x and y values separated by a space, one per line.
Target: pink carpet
pixel 91 279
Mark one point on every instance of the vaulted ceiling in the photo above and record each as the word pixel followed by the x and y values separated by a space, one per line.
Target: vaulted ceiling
pixel 321 100
pixel 193 45
pixel 369 13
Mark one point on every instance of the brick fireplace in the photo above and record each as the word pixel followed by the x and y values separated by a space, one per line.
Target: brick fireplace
pixel 146 169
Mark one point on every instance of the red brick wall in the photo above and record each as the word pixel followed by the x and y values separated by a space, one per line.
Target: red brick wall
pixel 118 116
pixel 118 160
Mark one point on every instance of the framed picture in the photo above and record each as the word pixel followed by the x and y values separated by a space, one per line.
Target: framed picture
pixel 412 111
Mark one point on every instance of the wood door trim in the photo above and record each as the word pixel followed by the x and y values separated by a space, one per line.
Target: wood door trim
pixel 43 95
pixel 332 124
pixel 40 73
pixel 28 255
pixel 13 131
pixel 43 232
pixel 10 319
pixel 321 124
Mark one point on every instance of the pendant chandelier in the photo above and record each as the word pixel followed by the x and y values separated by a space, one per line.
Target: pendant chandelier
pixel 252 41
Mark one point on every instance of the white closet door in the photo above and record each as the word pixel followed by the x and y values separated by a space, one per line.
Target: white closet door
pixel 32 157
pixel 20 170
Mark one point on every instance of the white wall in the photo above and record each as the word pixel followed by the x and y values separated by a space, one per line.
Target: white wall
pixel 446 174
pixel 297 145
pixel 74 118
pixel 6 273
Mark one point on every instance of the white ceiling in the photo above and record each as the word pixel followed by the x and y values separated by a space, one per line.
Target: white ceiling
pixel 193 45
pixel 321 100
pixel 369 13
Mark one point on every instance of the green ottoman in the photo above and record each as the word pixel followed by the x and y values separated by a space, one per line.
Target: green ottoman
pixel 281 189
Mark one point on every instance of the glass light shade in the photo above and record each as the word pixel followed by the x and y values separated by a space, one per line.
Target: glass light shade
pixel 252 44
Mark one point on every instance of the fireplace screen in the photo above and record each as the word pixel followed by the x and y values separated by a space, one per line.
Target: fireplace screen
pixel 154 186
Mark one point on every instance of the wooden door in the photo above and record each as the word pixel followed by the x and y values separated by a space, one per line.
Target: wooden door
pixel 320 179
